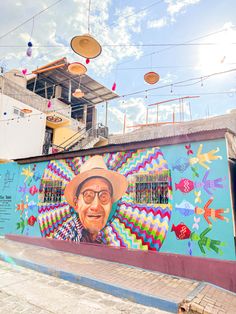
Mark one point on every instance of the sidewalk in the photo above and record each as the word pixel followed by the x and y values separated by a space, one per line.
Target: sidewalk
pixel 25 291
pixel 149 288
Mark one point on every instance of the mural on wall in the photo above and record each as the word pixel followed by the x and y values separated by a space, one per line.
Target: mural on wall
pixel 201 201
pixel 8 183
pixel 139 218
pixel 172 199
pixel 27 209
pixel 25 220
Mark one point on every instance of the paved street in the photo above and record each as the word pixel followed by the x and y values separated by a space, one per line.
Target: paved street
pixel 26 291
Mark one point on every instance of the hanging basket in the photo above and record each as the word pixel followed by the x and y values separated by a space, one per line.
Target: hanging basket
pixel 151 77
pixel 78 93
pixel 77 68
pixel 86 46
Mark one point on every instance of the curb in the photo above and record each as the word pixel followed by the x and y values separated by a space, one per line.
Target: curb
pixel 184 306
pixel 117 291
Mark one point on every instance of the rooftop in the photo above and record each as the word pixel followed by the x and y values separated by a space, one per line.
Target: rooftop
pixel 56 74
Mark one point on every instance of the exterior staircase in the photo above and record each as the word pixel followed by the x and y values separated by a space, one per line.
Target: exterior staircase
pixel 84 139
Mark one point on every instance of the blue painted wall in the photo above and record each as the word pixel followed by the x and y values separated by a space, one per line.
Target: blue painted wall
pixel 221 231
pixel 198 186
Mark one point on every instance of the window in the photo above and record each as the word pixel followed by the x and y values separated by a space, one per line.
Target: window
pixel 152 188
pixel 51 191
pixel 19 112
pixel 16 111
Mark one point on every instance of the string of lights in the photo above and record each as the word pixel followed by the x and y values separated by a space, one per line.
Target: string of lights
pixel 174 84
pixel 201 78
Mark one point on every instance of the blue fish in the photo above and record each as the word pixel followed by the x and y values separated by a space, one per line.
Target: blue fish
pixel 185 208
pixel 181 164
pixel 32 205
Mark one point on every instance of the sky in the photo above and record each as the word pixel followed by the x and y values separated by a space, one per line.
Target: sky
pixel 191 44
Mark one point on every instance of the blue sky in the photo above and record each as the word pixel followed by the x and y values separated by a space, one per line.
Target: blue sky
pixel 149 24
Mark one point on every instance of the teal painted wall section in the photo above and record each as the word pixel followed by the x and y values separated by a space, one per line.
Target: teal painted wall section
pixel 209 182
pixel 9 176
pixel 195 220
pixel 26 216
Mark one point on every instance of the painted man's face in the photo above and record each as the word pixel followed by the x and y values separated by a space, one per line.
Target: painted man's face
pixel 94 204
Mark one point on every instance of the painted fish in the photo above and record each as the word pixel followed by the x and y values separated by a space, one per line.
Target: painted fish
pixel 33 190
pixel 31 220
pixel 185 208
pixel 182 232
pixel 181 164
pixel 185 185
pixel 32 205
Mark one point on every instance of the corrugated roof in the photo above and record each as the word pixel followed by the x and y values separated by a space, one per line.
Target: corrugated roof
pixel 184 128
pixel 95 92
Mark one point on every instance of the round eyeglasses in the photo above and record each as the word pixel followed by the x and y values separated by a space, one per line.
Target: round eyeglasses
pixel 103 196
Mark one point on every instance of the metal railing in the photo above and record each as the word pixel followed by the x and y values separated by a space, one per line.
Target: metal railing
pixel 79 139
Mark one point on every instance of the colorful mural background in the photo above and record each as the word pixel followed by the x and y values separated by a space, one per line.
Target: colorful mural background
pixel 202 220
pixel 195 218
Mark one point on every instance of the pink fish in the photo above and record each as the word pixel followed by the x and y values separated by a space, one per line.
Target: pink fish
pixel 33 190
pixel 182 232
pixel 185 185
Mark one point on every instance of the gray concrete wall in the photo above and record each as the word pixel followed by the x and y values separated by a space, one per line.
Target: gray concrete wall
pixel 169 130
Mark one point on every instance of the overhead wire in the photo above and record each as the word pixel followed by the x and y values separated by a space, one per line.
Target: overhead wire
pixel 180 82
pixel 29 19
pixel 176 84
pixel 124 45
pixel 185 42
pixel 136 12
pixel 58 1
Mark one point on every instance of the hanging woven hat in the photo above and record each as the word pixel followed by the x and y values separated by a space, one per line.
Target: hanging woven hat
pixel 77 68
pixel 78 93
pixel 86 46
pixel 151 77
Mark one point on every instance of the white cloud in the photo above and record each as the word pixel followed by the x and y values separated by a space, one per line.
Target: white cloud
pixel 179 6
pixel 167 112
pixel 133 110
pixel 51 28
pixel 168 78
pixel 157 23
pixel 174 7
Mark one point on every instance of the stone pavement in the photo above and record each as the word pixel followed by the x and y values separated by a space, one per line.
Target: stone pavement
pixel 165 292
pixel 211 299
pixel 24 290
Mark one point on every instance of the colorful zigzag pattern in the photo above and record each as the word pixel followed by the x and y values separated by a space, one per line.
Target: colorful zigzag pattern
pixel 137 226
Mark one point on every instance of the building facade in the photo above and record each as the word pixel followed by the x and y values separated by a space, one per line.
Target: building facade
pixel 180 197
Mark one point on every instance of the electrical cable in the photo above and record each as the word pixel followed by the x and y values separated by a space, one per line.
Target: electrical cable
pixel 135 13
pixel 176 84
pixel 58 1
pixel 186 42
pixel 180 82
pixel 29 19
pixel 124 45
